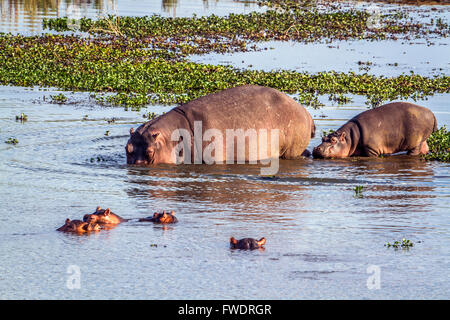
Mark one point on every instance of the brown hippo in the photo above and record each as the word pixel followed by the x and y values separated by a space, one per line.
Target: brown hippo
pixel 163 218
pixel 391 128
pixel 247 243
pixel 103 216
pixel 78 226
pixel 222 121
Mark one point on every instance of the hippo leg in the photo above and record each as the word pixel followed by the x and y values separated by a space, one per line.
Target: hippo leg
pixel 306 153
pixel 371 152
pixel 422 148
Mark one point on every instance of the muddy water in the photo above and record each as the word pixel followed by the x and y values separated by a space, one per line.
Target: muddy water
pixel 321 237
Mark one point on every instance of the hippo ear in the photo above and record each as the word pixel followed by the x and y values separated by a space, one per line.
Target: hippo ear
pixel 131 131
pixel 67 221
pixel 342 137
pixel 98 209
pixel 155 215
pixel 233 240
pixel 262 242
pixel 172 213
pixel 107 212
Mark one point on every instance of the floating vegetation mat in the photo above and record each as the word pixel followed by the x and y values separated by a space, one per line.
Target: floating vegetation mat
pixel 439 145
pixel 137 75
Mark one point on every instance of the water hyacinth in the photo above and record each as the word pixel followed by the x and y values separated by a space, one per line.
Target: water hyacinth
pixel 140 76
pixel 439 145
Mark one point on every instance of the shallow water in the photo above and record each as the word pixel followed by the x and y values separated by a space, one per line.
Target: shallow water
pixel 321 238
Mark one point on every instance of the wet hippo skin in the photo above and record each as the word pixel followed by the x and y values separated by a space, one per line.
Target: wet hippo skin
pixel 78 226
pixel 103 216
pixel 391 128
pixel 245 107
pixel 163 218
pixel 247 243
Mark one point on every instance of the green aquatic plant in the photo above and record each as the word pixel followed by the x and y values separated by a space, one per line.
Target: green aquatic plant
pixel 340 99
pixel 22 118
pixel 304 23
pixel 325 133
pixel 358 191
pixel 126 74
pixel 439 145
pixel 404 244
pixel 97 159
pixel 59 98
pixel 107 133
pixel 12 141
pixel 149 115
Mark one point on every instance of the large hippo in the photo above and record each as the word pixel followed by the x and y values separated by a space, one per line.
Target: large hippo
pixel 248 107
pixel 391 128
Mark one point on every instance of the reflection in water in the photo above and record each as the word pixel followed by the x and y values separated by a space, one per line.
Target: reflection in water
pixel 17 14
pixel 394 193
pixel 397 183
pixel 170 6
pixel 236 189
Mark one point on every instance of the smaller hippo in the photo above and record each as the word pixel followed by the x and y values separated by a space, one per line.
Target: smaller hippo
pixel 247 243
pixel 163 218
pixel 391 128
pixel 103 216
pixel 78 226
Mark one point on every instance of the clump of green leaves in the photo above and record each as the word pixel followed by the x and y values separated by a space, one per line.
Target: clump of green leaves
pixel 325 133
pixel 97 159
pixel 340 99
pixel 59 98
pixel 149 115
pixel 358 191
pixel 12 141
pixel 22 117
pixel 439 145
pixel 404 244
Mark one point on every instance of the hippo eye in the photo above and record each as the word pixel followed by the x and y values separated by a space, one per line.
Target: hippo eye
pixel 155 135
pixel 334 140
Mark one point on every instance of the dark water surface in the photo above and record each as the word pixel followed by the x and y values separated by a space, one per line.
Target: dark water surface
pixel 321 238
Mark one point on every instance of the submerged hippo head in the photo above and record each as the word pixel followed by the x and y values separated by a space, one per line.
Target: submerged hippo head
pixel 147 146
pixel 247 243
pixel 163 218
pixel 78 226
pixel 103 216
pixel 334 145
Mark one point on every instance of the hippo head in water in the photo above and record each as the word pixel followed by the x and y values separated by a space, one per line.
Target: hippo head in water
pixel 163 218
pixel 78 226
pixel 247 243
pixel 335 145
pixel 103 216
pixel 149 145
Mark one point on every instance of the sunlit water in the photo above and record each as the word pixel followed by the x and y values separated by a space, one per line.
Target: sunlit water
pixel 321 237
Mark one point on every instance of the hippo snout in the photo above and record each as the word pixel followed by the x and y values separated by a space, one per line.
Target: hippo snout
pixel 140 162
pixel 318 152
